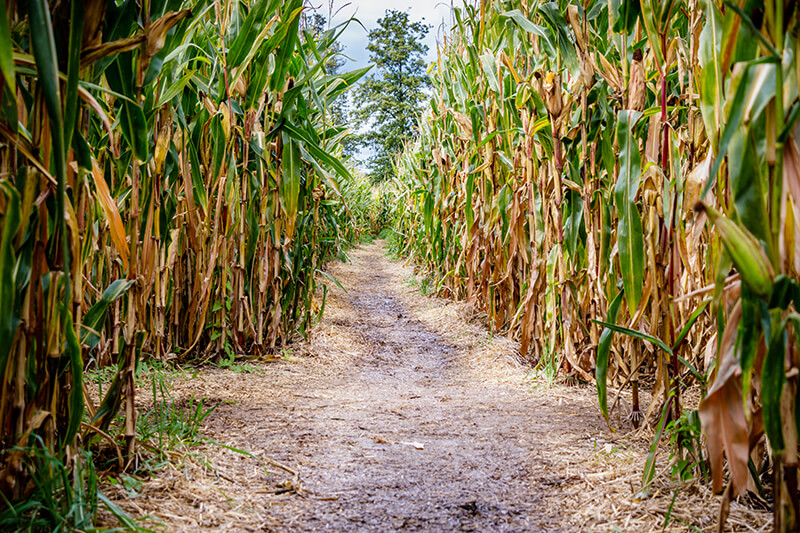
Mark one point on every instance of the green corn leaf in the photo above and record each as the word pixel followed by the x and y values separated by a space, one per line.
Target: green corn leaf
pixel 747 185
pixel 785 291
pixel 605 236
pixel 291 19
pixel 773 378
pixel 543 33
pixel 118 513
pixel 555 19
pixel 110 404
pixel 696 373
pixel 198 185
pixel 711 80
pixel 316 151
pixel 134 129
pixel 630 237
pixel 348 80
pixel 794 318
pixel 9 321
pixel 262 77
pixel 246 40
pixel 96 315
pixel 775 55
pixel 132 119
pixel 650 12
pixel 219 145
pixel 44 52
pixel 629 158
pixel 255 45
pixel 637 334
pixel 175 88
pixel 469 210
pixel 427 212
pixel 330 277
pixel 6 53
pixel 626 13
pixel 748 336
pixel 289 186
pixel 330 180
pixel 737 106
pixel 603 349
pixel 687 326
pixel 650 462
pixel 574 222
pixel 73 70
pixel 503 201
pixel 490 71
pixel 607 150
pixel 73 351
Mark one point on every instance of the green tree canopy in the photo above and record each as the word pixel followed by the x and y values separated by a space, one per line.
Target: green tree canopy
pixel 390 100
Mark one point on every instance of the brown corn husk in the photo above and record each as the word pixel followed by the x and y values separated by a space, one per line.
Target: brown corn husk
pixel 553 98
pixel 637 91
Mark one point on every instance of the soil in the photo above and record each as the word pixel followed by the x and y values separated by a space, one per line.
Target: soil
pixel 402 413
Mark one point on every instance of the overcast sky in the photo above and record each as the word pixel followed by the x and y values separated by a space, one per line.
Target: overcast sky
pixel 435 13
pixel 355 38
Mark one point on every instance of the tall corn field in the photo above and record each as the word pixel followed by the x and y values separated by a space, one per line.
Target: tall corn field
pixel 170 185
pixel 617 185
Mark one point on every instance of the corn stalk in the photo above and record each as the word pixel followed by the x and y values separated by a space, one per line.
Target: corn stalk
pixel 170 187
pixel 554 182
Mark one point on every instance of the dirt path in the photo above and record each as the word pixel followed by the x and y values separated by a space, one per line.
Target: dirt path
pixel 400 415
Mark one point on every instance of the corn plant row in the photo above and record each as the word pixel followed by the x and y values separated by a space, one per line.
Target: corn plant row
pixel 169 187
pixel 617 184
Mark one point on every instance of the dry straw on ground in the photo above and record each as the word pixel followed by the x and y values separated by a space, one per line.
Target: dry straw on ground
pixel 344 434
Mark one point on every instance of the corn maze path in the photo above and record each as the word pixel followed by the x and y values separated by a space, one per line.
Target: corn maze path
pixel 399 415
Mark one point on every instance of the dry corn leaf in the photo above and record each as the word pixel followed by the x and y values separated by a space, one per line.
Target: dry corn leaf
pixel 116 227
pixel 722 414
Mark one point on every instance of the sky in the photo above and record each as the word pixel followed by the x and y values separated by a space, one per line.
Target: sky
pixel 355 38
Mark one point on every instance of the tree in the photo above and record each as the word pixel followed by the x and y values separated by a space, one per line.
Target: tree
pixel 390 100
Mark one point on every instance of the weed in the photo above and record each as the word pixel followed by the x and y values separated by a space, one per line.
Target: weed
pixel 685 437
pixel 62 497
pixel 245 368
pixel 171 424
pixel 546 371
pixel 424 286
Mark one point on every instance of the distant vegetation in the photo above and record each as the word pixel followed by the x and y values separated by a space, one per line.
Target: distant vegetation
pixel 389 101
